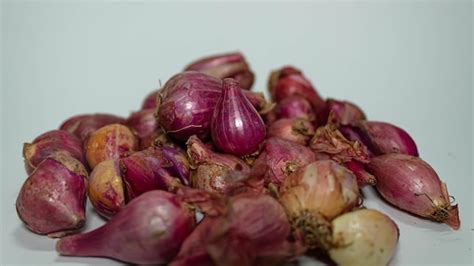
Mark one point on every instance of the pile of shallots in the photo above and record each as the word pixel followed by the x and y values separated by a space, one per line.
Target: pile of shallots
pixel 273 180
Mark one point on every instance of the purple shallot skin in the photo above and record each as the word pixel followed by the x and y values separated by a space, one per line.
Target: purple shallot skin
pixel 49 143
pixel 236 127
pixel 83 125
pixel 52 199
pixel 149 230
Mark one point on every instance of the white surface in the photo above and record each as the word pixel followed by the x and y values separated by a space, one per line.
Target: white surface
pixel 409 63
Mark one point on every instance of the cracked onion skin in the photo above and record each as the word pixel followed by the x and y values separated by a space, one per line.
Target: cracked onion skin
pixel 110 142
pixel 412 185
pixel 363 237
pixel 52 200
pixel 49 143
pixel 149 230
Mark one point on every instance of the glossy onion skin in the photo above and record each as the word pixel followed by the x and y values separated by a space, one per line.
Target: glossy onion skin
pixel 149 230
pixel 113 141
pixel 52 200
pixel 345 112
pixel 386 138
pixel 142 123
pixel 412 185
pixel 83 125
pixel 288 81
pixel 229 65
pixel 236 127
pixel 49 143
pixel 253 230
pixel 363 237
pixel 106 188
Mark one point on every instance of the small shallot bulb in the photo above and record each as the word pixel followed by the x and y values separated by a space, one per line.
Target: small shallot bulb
pixel 386 138
pixel 289 81
pixel 314 195
pixel 412 185
pixel 52 200
pixel 144 171
pixel 142 123
pixel 279 159
pixel 345 112
pixel 83 125
pixel 211 168
pixel 106 188
pixel 295 107
pixel 110 142
pixel 296 130
pixel 49 143
pixel 363 237
pixel 236 127
pixel 230 65
pixel 149 230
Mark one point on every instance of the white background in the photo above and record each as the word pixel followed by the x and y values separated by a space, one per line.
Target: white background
pixel 409 63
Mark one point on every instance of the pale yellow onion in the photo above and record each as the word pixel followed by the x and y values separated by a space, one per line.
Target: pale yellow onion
pixel 314 195
pixel 105 189
pixel 363 237
pixel 321 188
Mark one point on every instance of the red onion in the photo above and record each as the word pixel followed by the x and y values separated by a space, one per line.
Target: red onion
pixel 106 188
pixel 230 65
pixel 314 195
pixel 187 102
pixel 144 171
pixel 345 112
pixel 289 81
pixel 52 200
pixel 49 143
pixel 295 130
pixel 253 231
pixel 412 185
pixel 150 101
pixel 83 125
pixel 387 138
pixel 211 168
pixel 149 230
pixel 142 123
pixel 279 159
pixel 109 142
pixel 363 237
pixel 295 106
pixel 236 127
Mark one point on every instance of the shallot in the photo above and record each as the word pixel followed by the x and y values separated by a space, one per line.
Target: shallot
pixel 236 127
pixel 253 230
pixel 150 100
pixel 83 125
pixel 295 106
pixel 412 185
pixel 49 143
pixel 106 188
pixel 279 159
pixel 230 65
pixel 211 168
pixel 289 81
pixel 113 141
pixel 149 230
pixel 363 237
pixel 316 194
pixel 52 200
pixel 295 130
